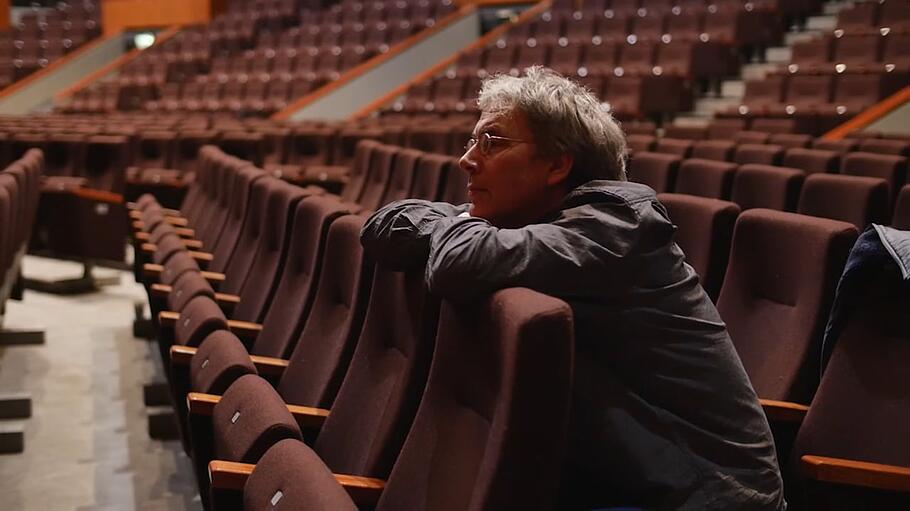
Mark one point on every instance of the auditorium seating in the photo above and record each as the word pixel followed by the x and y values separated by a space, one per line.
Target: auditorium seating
pixel 776 296
pixel 520 338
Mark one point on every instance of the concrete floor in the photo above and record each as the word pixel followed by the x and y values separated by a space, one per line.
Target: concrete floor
pixel 86 444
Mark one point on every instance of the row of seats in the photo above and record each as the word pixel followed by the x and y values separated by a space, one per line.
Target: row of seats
pixel 839 53
pixel 869 15
pixel 43 36
pixel 19 193
pixel 865 192
pixel 234 416
pixel 215 67
pixel 330 320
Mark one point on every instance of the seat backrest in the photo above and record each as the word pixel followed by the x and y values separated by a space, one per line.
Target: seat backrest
pixel 402 177
pixel 706 178
pixel 776 296
pixel 765 154
pixel 357 180
pixel 655 170
pixel 495 361
pixel 857 200
pixel 704 232
pixel 269 261
pixel 379 396
pixel 901 219
pixel 861 405
pixel 106 158
pixel 677 147
pixel 788 140
pixel 891 168
pixel 293 298
pixel 885 146
pixel 720 150
pixel 381 162
pixel 767 186
pixel 428 177
pixel 323 351
pixel 811 161
pixel 844 145
pixel 224 250
pixel 455 187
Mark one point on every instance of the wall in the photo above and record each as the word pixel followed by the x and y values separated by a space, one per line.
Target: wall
pixel 120 15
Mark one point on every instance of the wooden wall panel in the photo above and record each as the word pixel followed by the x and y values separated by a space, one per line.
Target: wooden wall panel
pixel 118 15
pixel 4 14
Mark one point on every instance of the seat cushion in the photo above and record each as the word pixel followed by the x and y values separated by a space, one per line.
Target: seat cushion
pixel 167 246
pixel 176 266
pixel 188 286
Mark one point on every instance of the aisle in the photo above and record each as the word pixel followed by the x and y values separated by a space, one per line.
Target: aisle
pixel 86 444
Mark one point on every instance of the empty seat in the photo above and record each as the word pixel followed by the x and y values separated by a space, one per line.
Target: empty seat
pixel 788 140
pixel 764 154
pixel 885 146
pixel 428 177
pixel 844 145
pixel 705 178
pixel 525 339
pixel 637 142
pixel 857 200
pixel 655 170
pixel 901 219
pixel 811 161
pixel 777 292
pixel 719 150
pixel 677 147
pixel 402 177
pixel 704 231
pixel 767 186
pixel 893 169
pixel 381 160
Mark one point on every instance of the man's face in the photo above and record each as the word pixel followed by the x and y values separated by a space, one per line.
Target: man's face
pixel 509 183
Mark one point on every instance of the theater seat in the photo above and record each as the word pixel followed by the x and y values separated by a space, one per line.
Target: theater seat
pixel 706 178
pixel 704 232
pixel 901 218
pixel 857 200
pixel 811 161
pixel 776 296
pixel 655 170
pixel 767 186
pixel 524 339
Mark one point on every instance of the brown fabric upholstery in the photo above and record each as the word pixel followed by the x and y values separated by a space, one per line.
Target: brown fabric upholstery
pixel 655 170
pixel 704 233
pixel 220 360
pixel 721 150
pixel 290 477
pixel 304 262
pixel 323 351
pixel 706 178
pixel 359 171
pixel 811 161
pixel 377 401
pixel 428 177
pixel 250 418
pixel 495 363
pixel 891 168
pixel 402 177
pixel 767 186
pixel 776 295
pixel 901 218
pixel 764 154
pixel 860 411
pixel 677 147
pixel 381 161
pixel 857 200
pixel 199 318
pixel 228 238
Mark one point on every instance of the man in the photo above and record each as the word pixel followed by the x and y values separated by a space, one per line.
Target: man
pixel 663 414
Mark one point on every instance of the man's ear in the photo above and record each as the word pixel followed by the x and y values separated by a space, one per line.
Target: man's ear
pixel 560 169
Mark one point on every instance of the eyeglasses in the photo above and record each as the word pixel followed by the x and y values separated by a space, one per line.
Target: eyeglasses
pixel 486 141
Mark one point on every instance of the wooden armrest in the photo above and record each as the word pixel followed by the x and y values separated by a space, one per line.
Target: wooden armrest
pixel 229 475
pixel 98 195
pixel 172 212
pixel 268 366
pixel 134 213
pixel 168 318
pixel 176 221
pixel 182 355
pixel 856 473
pixel 201 256
pixel 150 248
pixel 152 270
pixel 364 491
pixel 783 411
pixel 244 329
pixel 185 232
pixel 138 225
pixel 142 236
pixel 308 418
pixel 161 290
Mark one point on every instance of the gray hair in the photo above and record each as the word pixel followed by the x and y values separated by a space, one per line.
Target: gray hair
pixel 564 117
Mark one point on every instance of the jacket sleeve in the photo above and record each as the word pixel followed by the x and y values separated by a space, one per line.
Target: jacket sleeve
pixel 397 236
pixel 574 257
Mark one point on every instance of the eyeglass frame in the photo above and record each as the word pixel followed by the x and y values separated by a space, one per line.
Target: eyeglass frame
pixel 475 141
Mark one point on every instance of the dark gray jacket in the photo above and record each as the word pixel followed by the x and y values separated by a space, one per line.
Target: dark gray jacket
pixel 663 414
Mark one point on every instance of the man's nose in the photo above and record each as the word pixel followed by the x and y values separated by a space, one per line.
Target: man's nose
pixel 467 162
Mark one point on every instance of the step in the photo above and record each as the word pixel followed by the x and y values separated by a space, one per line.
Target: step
pixel 12 438
pixel 758 71
pixel 711 105
pixel 832 8
pixel 733 89
pixel 778 55
pixel 692 121
pixel 823 23
pixel 791 38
